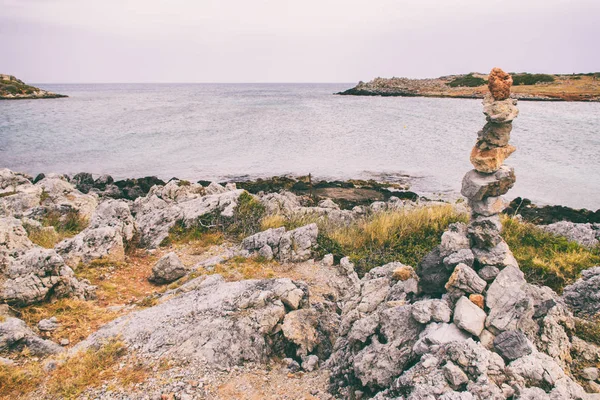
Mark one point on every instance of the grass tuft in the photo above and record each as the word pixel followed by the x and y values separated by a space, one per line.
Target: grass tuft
pixel 547 259
pixel 65 226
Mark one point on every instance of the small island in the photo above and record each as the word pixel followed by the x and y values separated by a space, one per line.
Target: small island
pixel 12 88
pixel 540 87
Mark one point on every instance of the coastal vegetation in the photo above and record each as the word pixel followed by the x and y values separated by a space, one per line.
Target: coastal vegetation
pixel 13 88
pixel 467 81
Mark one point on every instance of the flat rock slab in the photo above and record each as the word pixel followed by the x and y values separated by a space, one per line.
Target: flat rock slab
pixel 220 323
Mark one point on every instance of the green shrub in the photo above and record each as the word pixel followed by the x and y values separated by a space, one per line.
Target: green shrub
pixel 467 81
pixel 531 79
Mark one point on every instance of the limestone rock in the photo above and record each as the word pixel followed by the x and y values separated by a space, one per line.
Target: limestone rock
pixel 510 307
pixel 512 345
pixel 116 214
pixel 48 325
pixel 295 245
pixel 469 317
pixel 328 203
pixel 494 135
pixel 490 160
pixel 465 279
pixel 484 232
pixel 15 335
pixel 220 323
pixel 300 328
pixel 488 206
pixel 477 186
pixel 488 273
pixel 455 376
pixel 585 234
pixel 425 311
pixel 583 296
pixel 266 252
pixel 404 273
pixel 454 239
pixel 91 244
pixel 499 83
pixel 500 111
pixel 498 256
pixel 463 256
pixel 168 269
pixel 590 373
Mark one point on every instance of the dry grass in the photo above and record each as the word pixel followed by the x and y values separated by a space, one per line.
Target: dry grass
pixel 239 268
pixel 121 283
pixel 272 221
pixel 547 259
pixel 405 236
pixel 85 370
pixel 55 228
pixel 78 318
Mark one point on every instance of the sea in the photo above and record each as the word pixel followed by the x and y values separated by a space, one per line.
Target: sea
pixel 228 132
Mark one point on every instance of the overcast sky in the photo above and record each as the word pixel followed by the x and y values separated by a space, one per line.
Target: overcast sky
pixel 58 41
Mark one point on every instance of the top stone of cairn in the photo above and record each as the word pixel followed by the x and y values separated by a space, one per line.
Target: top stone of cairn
pixel 499 83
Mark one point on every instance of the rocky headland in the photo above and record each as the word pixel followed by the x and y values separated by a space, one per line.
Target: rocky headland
pixel 12 88
pixel 297 289
pixel 537 87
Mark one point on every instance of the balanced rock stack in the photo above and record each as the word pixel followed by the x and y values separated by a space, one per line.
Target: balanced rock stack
pixel 491 179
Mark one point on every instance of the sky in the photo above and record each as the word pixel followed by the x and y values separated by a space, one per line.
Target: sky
pixel 97 41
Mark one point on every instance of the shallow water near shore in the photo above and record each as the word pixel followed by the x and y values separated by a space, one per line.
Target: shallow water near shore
pixel 232 131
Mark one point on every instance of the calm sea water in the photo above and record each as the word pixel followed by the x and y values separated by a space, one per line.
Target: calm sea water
pixel 232 131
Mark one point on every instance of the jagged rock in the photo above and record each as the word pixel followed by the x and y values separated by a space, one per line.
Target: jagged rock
pixel 488 206
pixel 223 202
pixel 585 234
pixel 490 160
pixel 284 202
pixel 154 217
pixel 510 307
pixel 499 83
pixel 291 364
pixel 476 186
pixel 295 245
pixel 433 275
pixel 48 325
pixel 512 345
pixel 436 334
pixel 454 239
pixel 425 311
pixel 500 111
pixel 62 196
pixel 328 203
pixel 83 181
pixel 91 244
pixel 9 180
pixel 215 188
pixel 178 191
pixel 454 375
pixel 468 316
pixel 38 274
pixel 533 393
pixel 266 252
pixel 463 256
pixel 583 296
pixel 499 256
pixel 485 231
pixel 220 323
pixel 310 363
pixel 116 214
pixel 328 260
pixel 300 328
pixel 102 181
pixel 538 369
pixel 488 273
pixel 494 135
pixel 377 333
pixel 13 237
pixel 590 373
pixel 271 237
pixel 465 279
pixel 14 335
pixel 168 269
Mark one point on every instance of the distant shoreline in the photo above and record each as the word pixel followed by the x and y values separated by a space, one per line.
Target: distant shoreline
pixel 528 87
pixel 12 88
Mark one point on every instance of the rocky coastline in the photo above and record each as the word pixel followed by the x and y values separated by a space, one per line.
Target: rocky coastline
pixel 291 288
pixel 577 87
pixel 12 88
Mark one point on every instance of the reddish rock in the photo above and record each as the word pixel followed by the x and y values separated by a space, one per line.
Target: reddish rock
pixel 499 83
